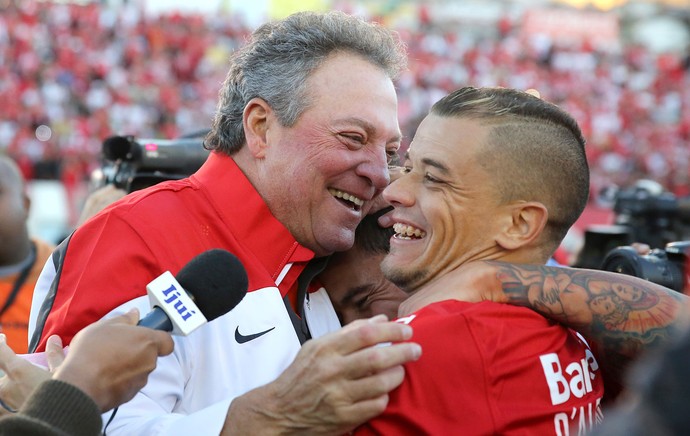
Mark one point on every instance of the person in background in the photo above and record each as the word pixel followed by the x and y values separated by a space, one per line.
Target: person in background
pixel 21 257
pixel 353 279
pixel 107 363
pixel 98 200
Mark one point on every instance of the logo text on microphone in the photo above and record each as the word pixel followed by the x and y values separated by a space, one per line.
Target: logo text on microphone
pixel 166 293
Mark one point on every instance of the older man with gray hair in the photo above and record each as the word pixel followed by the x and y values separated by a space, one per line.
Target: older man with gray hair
pixel 306 120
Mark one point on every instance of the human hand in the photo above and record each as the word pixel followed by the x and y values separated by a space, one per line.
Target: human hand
pixel 21 376
pixel 111 359
pixel 336 383
pixel 641 248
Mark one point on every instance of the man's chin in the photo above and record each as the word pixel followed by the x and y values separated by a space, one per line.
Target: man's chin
pixel 405 278
pixel 334 245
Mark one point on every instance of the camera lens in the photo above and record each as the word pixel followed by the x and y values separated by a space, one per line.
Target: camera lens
pixel 654 267
pixel 623 260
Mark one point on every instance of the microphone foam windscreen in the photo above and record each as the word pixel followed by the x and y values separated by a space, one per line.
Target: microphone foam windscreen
pixel 216 280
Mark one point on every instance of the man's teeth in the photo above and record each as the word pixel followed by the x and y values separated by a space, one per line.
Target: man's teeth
pixel 345 196
pixel 407 232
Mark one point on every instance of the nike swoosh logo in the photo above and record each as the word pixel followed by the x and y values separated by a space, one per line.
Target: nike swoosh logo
pixel 241 339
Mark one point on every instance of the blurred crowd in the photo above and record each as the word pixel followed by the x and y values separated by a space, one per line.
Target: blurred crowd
pixel 632 105
pixel 72 75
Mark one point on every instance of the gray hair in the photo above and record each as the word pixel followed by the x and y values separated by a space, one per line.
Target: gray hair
pixel 278 59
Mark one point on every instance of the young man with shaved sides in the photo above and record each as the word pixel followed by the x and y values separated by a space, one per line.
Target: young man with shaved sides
pixel 493 177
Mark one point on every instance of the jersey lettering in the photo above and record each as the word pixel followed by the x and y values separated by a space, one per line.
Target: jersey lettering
pixel 582 418
pixel 406 320
pixel 576 380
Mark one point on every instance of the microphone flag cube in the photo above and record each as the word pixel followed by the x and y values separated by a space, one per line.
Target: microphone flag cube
pixel 167 294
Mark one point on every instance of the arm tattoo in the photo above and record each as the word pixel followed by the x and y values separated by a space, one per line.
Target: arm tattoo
pixel 622 314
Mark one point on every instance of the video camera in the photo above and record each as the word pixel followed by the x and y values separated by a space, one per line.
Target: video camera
pixel 132 164
pixel 666 267
pixel 654 216
pixel 648 214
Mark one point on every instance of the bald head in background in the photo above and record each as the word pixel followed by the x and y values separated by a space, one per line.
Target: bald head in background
pixel 21 257
pixel 14 212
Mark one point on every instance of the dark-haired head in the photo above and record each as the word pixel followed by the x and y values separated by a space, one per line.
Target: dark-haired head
pixel 535 150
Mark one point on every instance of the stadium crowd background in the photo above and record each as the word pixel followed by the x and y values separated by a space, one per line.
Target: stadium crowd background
pixel 74 74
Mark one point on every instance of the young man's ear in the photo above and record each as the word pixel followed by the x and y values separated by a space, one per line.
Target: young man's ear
pixel 255 121
pixel 525 222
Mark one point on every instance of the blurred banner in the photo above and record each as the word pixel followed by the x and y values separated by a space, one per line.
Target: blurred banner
pixel 283 8
pixel 572 26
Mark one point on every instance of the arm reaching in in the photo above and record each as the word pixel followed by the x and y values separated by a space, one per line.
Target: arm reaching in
pixel 623 315
pixel 111 359
pixel 22 377
pixel 336 383
pixel 108 362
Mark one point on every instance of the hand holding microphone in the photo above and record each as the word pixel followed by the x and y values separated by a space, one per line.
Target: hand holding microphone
pixel 111 359
pixel 210 285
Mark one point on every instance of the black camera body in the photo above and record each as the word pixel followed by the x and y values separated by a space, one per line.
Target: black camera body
pixel 666 267
pixel 654 217
pixel 645 214
pixel 132 164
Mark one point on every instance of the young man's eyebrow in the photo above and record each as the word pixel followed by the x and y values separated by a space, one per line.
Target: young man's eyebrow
pixel 436 164
pixel 432 163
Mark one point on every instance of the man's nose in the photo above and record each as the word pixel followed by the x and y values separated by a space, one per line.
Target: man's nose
pixel 375 168
pixel 398 192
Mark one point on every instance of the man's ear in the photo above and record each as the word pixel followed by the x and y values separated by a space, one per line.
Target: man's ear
pixel 27 203
pixel 525 222
pixel 255 122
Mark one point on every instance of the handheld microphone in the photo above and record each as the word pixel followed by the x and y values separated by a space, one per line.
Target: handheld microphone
pixel 210 285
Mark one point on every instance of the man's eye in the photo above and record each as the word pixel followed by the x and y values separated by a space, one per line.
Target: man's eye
pixel 356 138
pixel 392 157
pixel 361 304
pixel 431 178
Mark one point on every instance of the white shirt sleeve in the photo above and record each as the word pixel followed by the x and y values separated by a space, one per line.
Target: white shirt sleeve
pixel 191 389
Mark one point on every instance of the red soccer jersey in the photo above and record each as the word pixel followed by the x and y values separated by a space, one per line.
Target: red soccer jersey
pixel 106 263
pixel 489 368
pixel 110 259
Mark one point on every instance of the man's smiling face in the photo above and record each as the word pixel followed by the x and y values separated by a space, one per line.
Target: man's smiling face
pixel 328 167
pixel 357 287
pixel 445 203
